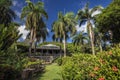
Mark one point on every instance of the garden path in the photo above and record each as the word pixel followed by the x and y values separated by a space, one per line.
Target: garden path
pixel 52 72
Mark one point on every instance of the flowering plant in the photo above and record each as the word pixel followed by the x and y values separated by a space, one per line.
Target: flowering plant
pixel 103 66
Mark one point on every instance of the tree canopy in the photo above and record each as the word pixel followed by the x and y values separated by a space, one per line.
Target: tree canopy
pixel 109 21
pixel 6 13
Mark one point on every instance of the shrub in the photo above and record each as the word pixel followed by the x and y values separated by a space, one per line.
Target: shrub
pixel 8 72
pixel 103 66
pixel 31 62
pixel 77 66
pixel 59 61
pixel 71 48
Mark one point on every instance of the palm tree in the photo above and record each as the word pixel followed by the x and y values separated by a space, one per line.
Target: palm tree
pixel 79 39
pixel 58 38
pixel 6 13
pixel 86 16
pixel 63 25
pixel 34 14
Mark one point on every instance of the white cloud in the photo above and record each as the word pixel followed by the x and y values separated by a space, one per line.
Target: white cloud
pixel 15 3
pixel 96 12
pixel 84 27
pixel 23 31
pixel 81 28
pixel 48 30
pixel 18 13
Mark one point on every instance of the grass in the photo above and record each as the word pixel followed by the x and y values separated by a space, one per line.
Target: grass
pixel 52 72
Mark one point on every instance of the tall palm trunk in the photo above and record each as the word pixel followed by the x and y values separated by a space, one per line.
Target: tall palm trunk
pixel 91 37
pixel 34 41
pixel 31 41
pixel 64 45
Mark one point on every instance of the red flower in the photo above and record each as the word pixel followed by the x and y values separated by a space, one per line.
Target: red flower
pixel 96 68
pixel 101 61
pixel 110 53
pixel 114 68
pixel 92 74
pixel 101 78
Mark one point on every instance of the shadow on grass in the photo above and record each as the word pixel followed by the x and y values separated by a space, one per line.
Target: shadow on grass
pixel 38 75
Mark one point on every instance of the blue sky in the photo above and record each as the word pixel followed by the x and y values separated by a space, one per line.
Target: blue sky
pixel 53 7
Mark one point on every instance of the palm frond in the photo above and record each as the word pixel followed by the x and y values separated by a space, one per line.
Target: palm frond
pixel 97 8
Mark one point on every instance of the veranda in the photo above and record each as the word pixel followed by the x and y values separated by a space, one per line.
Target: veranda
pixel 48 52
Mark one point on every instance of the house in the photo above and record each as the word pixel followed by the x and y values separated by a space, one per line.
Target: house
pixel 48 52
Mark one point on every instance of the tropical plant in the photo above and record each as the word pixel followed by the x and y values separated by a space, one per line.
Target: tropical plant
pixel 9 36
pixel 103 66
pixel 10 63
pixel 59 39
pixel 63 25
pixel 109 21
pixel 34 14
pixel 86 16
pixel 41 34
pixel 79 39
pixel 6 13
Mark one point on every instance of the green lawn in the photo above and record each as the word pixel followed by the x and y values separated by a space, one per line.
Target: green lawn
pixel 52 72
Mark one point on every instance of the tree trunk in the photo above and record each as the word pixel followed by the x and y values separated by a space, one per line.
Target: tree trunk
pixel 100 42
pixel 60 51
pixel 64 46
pixel 91 37
pixel 35 47
pixel 30 48
pixel 31 41
pixel 100 45
pixel 34 39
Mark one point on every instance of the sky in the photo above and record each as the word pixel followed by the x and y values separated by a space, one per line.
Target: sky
pixel 52 7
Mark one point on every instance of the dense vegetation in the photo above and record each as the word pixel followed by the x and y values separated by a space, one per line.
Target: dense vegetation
pixel 12 60
pixel 109 21
pixel 78 62
pixel 103 66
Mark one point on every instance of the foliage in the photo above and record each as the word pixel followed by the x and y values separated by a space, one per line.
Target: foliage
pixel 58 61
pixel 79 39
pixel 11 65
pixel 35 15
pixel 72 49
pixel 22 47
pixel 6 13
pixel 104 66
pixel 98 39
pixel 9 36
pixel 11 59
pixel 85 15
pixel 8 72
pixel 64 25
pixel 31 62
pixel 109 21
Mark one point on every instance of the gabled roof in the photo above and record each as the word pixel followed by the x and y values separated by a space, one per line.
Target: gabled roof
pixel 50 46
